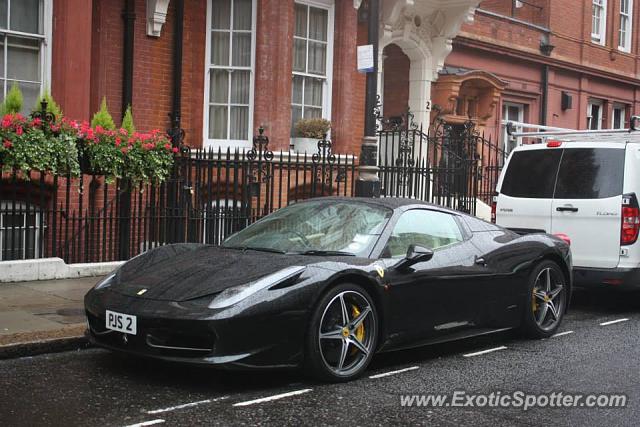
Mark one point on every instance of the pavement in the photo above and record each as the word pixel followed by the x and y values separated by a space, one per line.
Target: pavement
pixel 42 316
pixel 596 351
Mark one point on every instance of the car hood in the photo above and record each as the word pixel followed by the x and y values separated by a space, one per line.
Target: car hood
pixel 183 272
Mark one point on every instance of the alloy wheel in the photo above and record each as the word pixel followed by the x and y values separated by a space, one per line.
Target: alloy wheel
pixel 347 333
pixel 548 298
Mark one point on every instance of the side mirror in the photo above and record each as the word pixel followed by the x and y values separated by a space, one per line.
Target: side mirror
pixel 415 254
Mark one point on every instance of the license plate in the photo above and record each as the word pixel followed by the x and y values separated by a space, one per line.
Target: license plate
pixel 121 322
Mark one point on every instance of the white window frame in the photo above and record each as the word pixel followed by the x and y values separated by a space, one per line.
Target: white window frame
pixel 7 207
pixel 624 43
pixel 505 135
pixel 329 5
pixel 599 35
pixel 590 118
pixel 46 46
pixel 623 115
pixel 229 143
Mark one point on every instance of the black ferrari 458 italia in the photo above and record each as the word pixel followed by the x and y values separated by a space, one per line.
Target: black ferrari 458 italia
pixel 327 283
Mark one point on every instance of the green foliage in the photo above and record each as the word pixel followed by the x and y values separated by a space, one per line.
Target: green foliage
pixel 28 148
pixel 127 121
pixel 312 128
pixel 103 118
pixel 14 100
pixel 52 105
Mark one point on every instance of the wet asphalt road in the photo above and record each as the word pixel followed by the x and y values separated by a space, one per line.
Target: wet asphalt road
pixel 95 387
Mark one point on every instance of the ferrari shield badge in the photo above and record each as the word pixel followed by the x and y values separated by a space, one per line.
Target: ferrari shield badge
pixel 380 271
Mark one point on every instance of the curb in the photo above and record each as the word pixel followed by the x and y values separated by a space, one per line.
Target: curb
pixel 30 270
pixel 34 348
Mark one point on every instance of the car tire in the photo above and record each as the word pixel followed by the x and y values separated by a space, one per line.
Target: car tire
pixel 547 287
pixel 325 356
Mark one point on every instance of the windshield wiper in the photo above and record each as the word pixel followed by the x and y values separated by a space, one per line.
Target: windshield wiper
pixel 324 253
pixel 250 248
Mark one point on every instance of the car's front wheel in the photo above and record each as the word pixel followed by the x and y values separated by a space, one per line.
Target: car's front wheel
pixel 546 300
pixel 342 334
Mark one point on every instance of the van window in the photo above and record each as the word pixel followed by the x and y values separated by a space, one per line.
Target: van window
pixel 531 174
pixel 590 173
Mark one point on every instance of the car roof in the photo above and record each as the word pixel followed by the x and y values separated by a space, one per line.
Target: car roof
pixel 390 202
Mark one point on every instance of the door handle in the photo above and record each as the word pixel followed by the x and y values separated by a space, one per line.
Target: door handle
pixel 481 261
pixel 566 209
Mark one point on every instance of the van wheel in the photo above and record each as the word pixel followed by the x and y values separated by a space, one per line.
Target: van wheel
pixel 546 300
pixel 342 334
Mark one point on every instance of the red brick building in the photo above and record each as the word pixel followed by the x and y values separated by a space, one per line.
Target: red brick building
pixel 245 63
pixel 570 64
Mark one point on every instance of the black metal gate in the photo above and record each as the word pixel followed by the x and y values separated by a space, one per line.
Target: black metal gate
pixel 451 165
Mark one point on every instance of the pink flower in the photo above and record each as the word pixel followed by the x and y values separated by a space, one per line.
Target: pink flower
pixel 7 144
pixel 123 132
pixel 167 146
pixel 118 142
pixel 19 130
pixel 36 122
pixel 175 149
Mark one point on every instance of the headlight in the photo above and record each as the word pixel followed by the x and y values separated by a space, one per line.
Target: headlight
pixel 106 282
pixel 234 295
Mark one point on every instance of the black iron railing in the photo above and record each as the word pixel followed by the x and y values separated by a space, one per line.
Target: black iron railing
pixel 210 195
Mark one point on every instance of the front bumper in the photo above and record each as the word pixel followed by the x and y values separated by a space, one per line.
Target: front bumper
pixel 615 278
pixel 173 331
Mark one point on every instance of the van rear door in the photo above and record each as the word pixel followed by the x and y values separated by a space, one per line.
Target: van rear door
pixel 587 202
pixel 525 192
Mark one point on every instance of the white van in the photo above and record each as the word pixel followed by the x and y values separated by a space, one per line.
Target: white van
pixel 587 191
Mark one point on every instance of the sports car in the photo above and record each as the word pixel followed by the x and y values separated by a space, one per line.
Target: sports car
pixel 325 284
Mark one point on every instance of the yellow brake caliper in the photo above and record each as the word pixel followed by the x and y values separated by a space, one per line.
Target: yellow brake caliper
pixel 355 312
pixel 534 302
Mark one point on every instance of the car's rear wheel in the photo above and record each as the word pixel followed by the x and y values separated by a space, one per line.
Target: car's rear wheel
pixel 546 300
pixel 342 334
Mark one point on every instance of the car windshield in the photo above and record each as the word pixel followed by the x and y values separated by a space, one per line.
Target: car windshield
pixel 321 227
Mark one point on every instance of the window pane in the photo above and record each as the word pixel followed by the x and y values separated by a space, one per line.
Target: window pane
pixel 296 95
pixel 221 14
pixel 317 58
pixel 30 93
pixel 240 86
pixel 428 229
pixel 313 92
pixel 219 48
pixel 219 86
pixel 239 122
pixel 242 15
pixel 312 113
pixel 2 71
pixel 241 50
pixel 318 24
pixel 299 55
pixel 23 59
pixel 532 174
pixel 590 173
pixel 3 14
pixel 10 220
pixel 301 20
pixel 296 114
pixel 218 122
pixel 25 16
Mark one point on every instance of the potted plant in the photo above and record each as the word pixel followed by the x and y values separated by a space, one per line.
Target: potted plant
pixel 307 134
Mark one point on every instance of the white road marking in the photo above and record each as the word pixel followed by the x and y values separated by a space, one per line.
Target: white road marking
pixel 612 322
pixel 147 423
pixel 271 398
pixel 479 353
pixel 399 371
pixel 560 334
pixel 186 405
